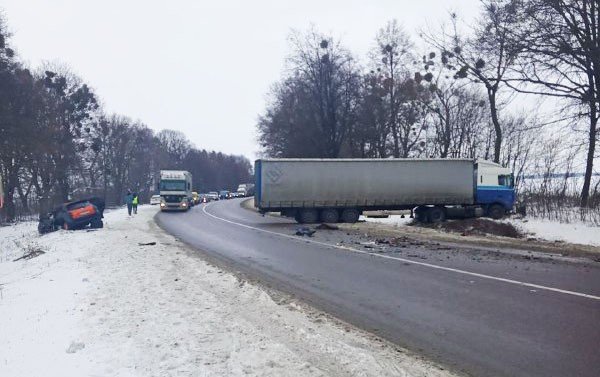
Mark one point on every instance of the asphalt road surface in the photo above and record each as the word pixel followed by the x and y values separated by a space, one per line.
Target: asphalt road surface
pixel 491 317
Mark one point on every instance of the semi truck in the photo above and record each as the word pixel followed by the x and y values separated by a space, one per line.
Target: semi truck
pixel 339 190
pixel 175 188
pixel 246 189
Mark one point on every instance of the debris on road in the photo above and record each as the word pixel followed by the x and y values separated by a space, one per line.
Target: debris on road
pixel 31 253
pixel 147 243
pixel 305 231
pixel 368 244
pixel 326 226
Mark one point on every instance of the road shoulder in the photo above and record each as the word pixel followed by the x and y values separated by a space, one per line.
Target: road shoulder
pixel 133 307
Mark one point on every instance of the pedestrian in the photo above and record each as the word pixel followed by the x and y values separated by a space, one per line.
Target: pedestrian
pixel 129 201
pixel 135 202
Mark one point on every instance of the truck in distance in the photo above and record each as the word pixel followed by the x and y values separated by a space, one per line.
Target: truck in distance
pixel 245 189
pixel 339 190
pixel 175 188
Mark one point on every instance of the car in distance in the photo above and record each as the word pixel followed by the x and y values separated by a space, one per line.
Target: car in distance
pixel 195 198
pixel 155 200
pixel 223 194
pixel 213 195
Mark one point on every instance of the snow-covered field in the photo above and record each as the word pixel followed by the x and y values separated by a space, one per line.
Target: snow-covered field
pixel 97 303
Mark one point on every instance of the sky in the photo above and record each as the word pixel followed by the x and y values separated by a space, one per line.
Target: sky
pixel 200 67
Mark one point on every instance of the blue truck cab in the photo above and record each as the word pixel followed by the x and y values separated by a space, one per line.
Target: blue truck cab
pixel 495 190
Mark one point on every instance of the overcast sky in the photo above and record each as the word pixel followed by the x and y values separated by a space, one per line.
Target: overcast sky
pixel 201 67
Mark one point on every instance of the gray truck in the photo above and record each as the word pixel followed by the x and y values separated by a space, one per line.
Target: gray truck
pixel 339 190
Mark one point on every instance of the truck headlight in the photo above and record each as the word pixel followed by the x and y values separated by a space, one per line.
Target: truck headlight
pixel 162 204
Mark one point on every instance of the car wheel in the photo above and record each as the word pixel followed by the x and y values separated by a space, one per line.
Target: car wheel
pixel 330 215
pixel 45 226
pixel 350 215
pixel 496 211
pixel 97 224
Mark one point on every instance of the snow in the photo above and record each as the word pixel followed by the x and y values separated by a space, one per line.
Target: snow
pixel 577 233
pixel 394 220
pixel 96 303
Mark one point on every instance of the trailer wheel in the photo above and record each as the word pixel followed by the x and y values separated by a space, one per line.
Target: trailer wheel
pixel 421 214
pixel 496 211
pixel 330 215
pixel 350 215
pixel 308 216
pixel 436 215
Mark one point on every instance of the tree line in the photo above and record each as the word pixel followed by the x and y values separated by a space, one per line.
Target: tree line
pixel 57 144
pixel 454 99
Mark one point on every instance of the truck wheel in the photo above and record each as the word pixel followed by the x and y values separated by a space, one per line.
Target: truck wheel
pixel 496 211
pixel 436 215
pixel 308 216
pixel 330 216
pixel 350 215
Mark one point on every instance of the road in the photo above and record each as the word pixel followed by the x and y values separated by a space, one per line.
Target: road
pixel 484 318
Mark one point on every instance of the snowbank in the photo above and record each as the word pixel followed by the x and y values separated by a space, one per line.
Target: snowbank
pixel 98 303
pixel 554 231
pixel 577 233
pixel 394 220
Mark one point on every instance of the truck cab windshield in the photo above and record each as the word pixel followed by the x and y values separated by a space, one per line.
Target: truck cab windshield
pixel 172 185
pixel 506 180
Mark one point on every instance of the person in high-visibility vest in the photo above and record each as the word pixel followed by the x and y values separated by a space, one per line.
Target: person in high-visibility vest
pixel 135 203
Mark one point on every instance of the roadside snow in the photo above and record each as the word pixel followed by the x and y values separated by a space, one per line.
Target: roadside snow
pixel 554 231
pixel 96 303
pixel 394 220
pixel 576 233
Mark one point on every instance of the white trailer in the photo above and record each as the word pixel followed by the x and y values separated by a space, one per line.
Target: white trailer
pixel 331 190
pixel 175 189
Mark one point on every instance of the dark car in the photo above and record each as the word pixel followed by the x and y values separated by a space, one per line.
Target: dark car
pixel 74 215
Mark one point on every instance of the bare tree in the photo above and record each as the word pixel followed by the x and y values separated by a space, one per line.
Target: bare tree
pixel 561 40
pixel 483 57
pixel 176 145
pixel 316 101
pixel 391 59
pixel 458 119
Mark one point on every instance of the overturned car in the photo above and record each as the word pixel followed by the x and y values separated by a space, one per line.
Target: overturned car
pixel 74 215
